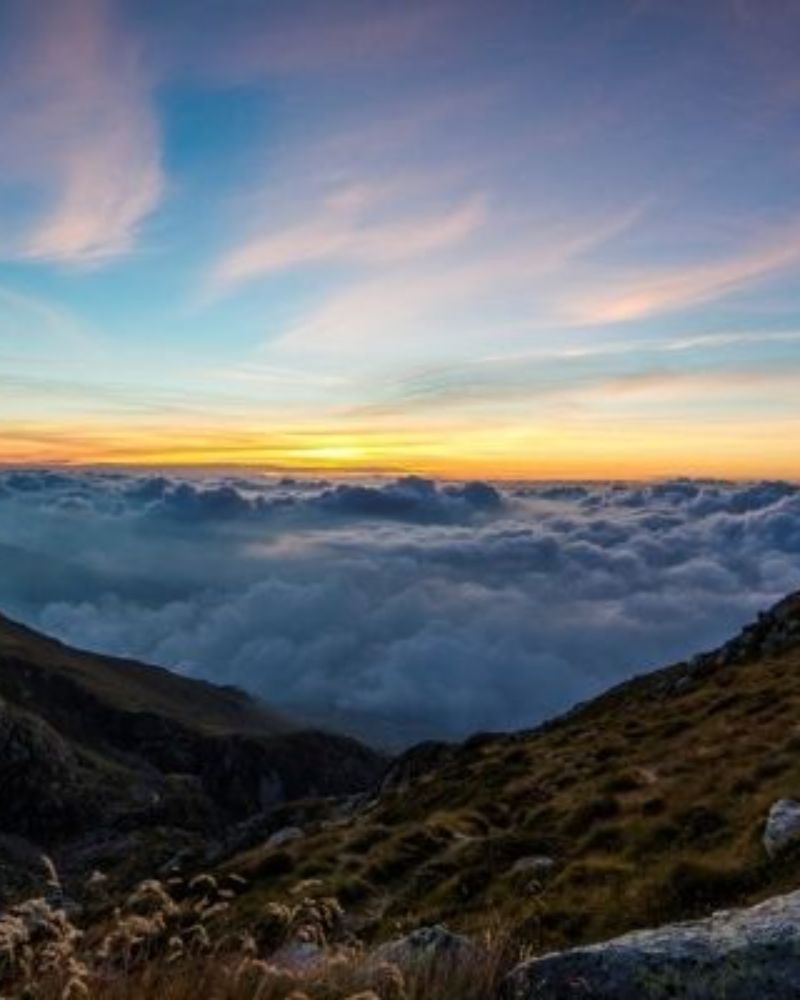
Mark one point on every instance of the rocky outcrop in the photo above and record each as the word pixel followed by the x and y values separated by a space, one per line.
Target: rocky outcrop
pixel 782 827
pixel 773 632
pixel 735 954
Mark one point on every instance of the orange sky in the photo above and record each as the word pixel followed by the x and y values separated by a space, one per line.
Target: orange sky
pixel 578 451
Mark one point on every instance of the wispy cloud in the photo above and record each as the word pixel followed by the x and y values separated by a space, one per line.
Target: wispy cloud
pixel 79 125
pixel 343 231
pixel 772 383
pixel 584 375
pixel 25 319
pixel 643 294
pixel 419 306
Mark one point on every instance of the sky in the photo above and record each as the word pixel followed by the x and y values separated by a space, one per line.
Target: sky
pixel 512 239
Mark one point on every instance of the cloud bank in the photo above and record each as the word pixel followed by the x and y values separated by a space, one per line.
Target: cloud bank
pixel 396 609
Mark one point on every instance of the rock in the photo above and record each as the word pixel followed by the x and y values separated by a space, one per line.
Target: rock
pixel 427 944
pixel 176 862
pixel 284 836
pixel 532 869
pixel 298 956
pixel 537 864
pixel 735 954
pixel 774 632
pixel 782 827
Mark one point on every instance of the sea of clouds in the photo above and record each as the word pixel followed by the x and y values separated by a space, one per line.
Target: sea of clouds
pixel 395 609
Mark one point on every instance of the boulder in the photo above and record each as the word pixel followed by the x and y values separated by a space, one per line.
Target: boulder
pixel 736 954
pixel 783 826
pixel 427 944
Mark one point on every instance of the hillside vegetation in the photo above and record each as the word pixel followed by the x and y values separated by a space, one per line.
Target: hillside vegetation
pixel 644 805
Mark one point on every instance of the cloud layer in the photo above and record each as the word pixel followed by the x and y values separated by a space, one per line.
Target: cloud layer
pixel 398 609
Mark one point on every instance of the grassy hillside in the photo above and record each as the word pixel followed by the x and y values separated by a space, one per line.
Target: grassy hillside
pixel 648 804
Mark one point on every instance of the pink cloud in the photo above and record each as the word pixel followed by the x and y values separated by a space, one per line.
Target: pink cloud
pixel 418 308
pixel 644 294
pixel 344 231
pixel 79 127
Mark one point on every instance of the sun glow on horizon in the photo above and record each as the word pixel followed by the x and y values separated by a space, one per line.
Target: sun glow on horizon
pixel 549 452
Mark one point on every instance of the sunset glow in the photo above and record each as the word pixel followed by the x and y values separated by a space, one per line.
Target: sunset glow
pixel 368 237
pixel 563 451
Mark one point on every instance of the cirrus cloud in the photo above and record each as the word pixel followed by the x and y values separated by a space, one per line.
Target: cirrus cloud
pixel 79 128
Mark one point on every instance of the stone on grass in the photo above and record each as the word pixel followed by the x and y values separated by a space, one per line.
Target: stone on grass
pixel 284 836
pixel 427 944
pixel 783 826
pixel 735 954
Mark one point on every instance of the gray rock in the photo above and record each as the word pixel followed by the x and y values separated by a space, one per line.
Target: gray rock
pixel 176 862
pixel 529 875
pixel 783 826
pixel 734 954
pixel 284 836
pixel 427 944
pixel 537 864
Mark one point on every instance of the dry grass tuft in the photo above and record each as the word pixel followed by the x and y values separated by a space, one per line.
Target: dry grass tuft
pixel 168 942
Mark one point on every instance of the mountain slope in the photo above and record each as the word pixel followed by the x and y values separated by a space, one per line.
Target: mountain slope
pixel 644 805
pixel 124 685
pixel 94 748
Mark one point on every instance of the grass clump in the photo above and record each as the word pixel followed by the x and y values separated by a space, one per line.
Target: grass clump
pixel 166 941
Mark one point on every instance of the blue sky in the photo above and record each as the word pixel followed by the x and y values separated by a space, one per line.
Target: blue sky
pixel 542 239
